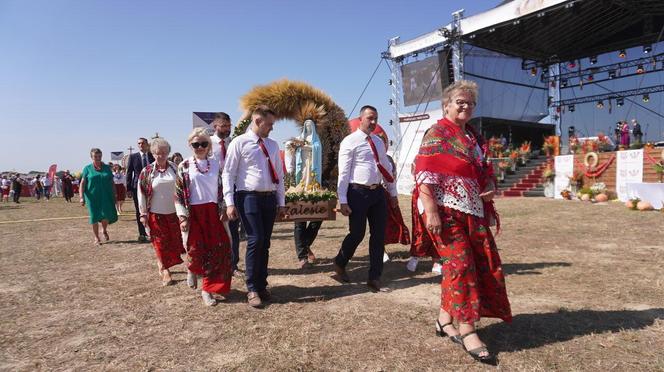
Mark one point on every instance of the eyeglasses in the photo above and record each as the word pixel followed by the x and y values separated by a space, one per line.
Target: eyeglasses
pixel 462 103
pixel 199 144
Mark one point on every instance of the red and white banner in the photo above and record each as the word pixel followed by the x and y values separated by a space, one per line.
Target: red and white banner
pixel 629 168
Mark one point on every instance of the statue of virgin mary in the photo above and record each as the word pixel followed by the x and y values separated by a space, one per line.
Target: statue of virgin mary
pixel 308 156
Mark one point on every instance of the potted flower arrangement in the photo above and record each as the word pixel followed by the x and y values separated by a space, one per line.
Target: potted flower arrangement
pixel 604 144
pixel 549 145
pixel 548 176
pixel 502 166
pixel 576 181
pixel 514 156
pixel 574 145
pixel 495 147
pixel 599 191
pixel 524 152
pixel 659 169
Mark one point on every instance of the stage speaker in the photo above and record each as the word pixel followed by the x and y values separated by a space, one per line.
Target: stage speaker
pixel 446 67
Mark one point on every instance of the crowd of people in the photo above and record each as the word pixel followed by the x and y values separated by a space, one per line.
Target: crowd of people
pixel 41 187
pixel 197 205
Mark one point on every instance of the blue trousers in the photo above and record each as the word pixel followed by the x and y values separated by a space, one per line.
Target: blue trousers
pixel 258 212
pixel 366 205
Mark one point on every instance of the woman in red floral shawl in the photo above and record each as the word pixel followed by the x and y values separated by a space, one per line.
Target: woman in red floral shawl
pixel 156 204
pixel 456 187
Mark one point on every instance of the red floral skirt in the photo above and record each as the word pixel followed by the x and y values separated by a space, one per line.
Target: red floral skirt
pixel 120 192
pixel 166 238
pixel 209 248
pixel 396 230
pixel 5 192
pixel 473 284
pixel 421 244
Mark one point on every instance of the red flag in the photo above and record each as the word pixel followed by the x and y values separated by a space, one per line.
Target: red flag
pixel 51 172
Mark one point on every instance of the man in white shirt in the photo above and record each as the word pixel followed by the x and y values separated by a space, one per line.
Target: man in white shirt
pixel 363 169
pixel 46 181
pixel 253 181
pixel 220 142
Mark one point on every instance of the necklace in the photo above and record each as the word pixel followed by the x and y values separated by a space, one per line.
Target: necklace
pixel 97 168
pixel 199 169
pixel 161 170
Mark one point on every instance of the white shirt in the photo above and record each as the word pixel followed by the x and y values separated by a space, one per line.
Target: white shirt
pixel 163 192
pixel 46 181
pixel 247 168
pixel 204 187
pixel 216 148
pixel 357 164
pixel 119 178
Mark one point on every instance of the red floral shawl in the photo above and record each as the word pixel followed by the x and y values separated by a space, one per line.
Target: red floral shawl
pixel 447 151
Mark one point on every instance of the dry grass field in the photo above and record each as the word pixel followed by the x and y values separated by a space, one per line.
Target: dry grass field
pixel 586 284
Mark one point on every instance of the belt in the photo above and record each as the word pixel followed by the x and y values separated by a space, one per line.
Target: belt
pixel 244 192
pixel 365 187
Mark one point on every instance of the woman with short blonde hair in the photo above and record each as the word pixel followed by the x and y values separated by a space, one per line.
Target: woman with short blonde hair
pixel 456 186
pixel 201 209
pixel 156 204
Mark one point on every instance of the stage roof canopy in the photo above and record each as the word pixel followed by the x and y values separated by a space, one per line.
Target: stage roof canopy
pixel 551 31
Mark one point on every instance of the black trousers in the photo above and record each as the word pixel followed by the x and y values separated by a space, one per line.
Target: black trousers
pixel 366 205
pixel 141 228
pixel 305 234
pixel 234 226
pixel 17 194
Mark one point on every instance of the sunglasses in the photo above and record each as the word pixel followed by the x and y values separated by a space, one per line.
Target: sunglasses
pixel 199 144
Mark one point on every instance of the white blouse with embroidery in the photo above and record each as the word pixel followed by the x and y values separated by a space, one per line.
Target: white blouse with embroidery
pixel 460 200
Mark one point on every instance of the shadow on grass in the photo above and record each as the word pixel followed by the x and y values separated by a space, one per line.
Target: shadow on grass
pixel 529 331
pixel 531 268
pixel 395 276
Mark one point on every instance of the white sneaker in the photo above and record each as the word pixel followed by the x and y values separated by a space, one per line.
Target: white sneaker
pixel 412 264
pixel 208 300
pixel 386 258
pixel 437 268
pixel 192 280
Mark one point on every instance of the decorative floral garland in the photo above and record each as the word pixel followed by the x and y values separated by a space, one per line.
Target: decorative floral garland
pixel 653 160
pixel 594 172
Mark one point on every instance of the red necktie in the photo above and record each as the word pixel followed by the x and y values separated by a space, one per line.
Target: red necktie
pixel 386 175
pixel 273 173
pixel 223 148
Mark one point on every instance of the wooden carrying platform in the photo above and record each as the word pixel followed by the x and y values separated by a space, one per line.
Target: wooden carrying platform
pixel 309 211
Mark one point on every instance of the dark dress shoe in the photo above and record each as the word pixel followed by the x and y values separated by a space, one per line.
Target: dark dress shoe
pixel 265 295
pixel 375 286
pixel 254 300
pixel 341 274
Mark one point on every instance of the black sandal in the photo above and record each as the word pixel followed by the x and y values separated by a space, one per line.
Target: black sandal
pixel 476 352
pixel 441 333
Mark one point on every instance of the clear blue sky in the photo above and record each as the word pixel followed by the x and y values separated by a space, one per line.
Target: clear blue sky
pixel 82 74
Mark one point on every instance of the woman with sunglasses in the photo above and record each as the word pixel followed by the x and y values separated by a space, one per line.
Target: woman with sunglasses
pixel 201 209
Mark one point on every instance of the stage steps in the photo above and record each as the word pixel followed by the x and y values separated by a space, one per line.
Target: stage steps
pixel 526 181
